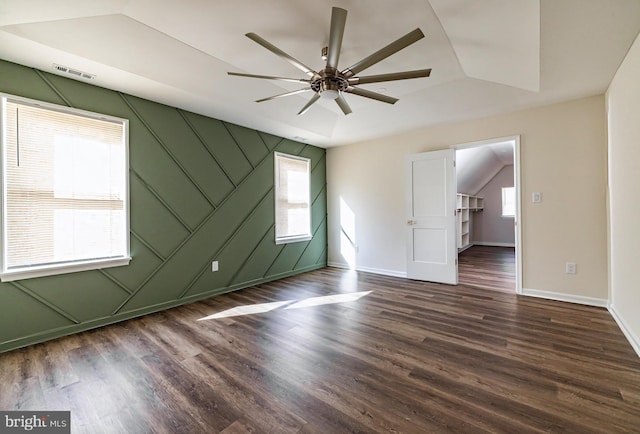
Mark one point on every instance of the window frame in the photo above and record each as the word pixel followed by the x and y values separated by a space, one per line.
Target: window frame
pixel 502 214
pixel 290 238
pixel 51 269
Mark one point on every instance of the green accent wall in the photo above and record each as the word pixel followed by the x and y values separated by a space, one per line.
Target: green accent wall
pixel 200 189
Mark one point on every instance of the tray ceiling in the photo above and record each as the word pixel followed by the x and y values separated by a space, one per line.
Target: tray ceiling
pixel 488 56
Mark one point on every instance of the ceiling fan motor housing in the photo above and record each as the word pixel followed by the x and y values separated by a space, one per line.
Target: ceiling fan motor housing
pixel 329 86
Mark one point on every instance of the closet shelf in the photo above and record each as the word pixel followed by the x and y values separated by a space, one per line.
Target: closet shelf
pixel 466 203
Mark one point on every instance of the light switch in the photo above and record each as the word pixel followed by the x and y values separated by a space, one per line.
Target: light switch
pixel 536 197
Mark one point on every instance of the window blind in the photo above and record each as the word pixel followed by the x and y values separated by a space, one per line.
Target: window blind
pixel 293 207
pixel 508 201
pixel 64 186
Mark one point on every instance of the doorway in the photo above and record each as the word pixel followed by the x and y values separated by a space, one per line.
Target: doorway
pixel 489 236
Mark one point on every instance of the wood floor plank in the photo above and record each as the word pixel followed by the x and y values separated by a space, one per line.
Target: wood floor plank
pixel 392 355
pixel 488 267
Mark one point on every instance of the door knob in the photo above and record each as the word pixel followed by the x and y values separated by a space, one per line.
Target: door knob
pixel 411 222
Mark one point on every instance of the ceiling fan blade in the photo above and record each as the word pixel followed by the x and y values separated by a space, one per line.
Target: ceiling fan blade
pixel 342 103
pixel 268 77
pixel 275 50
pixel 306 107
pixel 385 52
pixel 293 92
pixel 390 77
pixel 338 21
pixel 373 95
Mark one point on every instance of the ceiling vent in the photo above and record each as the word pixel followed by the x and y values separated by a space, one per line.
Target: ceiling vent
pixel 74 72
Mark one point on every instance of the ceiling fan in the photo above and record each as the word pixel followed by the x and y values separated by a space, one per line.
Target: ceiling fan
pixel 331 83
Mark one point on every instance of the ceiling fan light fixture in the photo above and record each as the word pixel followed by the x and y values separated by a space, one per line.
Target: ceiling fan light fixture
pixel 330 94
pixel 329 87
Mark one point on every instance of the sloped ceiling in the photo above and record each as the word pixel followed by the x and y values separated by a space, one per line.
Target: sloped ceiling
pixel 488 56
pixel 475 167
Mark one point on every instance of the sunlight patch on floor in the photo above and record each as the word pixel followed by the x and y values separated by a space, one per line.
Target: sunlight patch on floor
pixel 251 309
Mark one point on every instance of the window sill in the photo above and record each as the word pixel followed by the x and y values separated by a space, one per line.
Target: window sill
pixel 293 239
pixel 29 273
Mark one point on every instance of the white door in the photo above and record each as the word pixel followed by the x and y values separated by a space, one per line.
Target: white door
pixel 431 221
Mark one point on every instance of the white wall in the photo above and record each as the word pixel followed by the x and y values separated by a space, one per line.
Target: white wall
pixel 489 227
pixel 623 101
pixel 563 155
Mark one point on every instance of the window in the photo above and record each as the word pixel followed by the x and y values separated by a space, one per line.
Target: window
pixel 293 207
pixel 508 202
pixel 64 190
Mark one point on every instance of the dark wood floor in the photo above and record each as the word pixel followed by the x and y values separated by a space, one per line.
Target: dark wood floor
pixel 488 267
pixel 340 352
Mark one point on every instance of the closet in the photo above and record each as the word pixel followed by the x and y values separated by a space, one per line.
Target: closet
pixel 482 172
pixel 485 234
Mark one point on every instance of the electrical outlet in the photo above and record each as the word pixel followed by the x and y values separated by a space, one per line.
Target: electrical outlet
pixel 571 268
pixel 536 197
pixel 214 266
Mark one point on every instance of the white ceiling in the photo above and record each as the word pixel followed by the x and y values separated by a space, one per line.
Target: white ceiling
pixel 488 56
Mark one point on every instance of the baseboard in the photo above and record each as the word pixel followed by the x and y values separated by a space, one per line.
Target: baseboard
pixel 381 271
pixel 492 244
pixel 631 337
pixel 559 296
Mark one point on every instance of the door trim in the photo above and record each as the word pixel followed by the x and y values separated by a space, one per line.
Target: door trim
pixel 518 185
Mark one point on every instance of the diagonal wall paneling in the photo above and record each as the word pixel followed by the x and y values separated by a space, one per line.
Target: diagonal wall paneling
pixel 201 190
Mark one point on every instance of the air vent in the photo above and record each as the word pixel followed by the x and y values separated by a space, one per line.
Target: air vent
pixel 74 72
